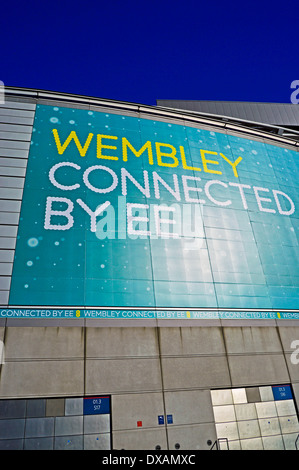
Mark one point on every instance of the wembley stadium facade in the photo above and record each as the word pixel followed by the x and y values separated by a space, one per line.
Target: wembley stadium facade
pixel 148 276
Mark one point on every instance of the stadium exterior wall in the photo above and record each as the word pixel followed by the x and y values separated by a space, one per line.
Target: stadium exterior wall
pixel 157 367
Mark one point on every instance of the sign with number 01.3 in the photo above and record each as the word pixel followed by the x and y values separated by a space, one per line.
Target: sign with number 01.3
pixel 96 405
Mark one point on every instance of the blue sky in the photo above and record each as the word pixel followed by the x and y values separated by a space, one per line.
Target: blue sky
pixel 140 51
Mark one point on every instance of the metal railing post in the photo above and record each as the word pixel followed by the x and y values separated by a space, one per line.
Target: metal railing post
pixel 218 442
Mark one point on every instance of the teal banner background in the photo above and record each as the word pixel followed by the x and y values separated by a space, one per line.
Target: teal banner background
pixel 246 258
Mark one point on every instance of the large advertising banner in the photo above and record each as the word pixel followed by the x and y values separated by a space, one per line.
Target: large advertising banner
pixel 124 212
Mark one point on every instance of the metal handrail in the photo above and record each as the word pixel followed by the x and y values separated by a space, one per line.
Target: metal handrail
pixel 218 442
pixel 242 125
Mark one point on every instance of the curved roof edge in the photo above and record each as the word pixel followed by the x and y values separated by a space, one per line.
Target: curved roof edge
pixel 262 130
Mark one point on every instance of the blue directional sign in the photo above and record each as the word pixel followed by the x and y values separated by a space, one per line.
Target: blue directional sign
pixel 161 419
pixel 282 392
pixel 169 419
pixel 96 406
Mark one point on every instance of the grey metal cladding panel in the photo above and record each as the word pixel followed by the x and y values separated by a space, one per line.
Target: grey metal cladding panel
pixel 210 107
pixel 7 205
pixel 275 116
pixel 8 231
pixel 13 144
pixel 203 107
pixel 259 113
pixel 17 120
pixel 9 218
pixel 190 106
pixel 14 153
pixel 175 104
pixel 219 108
pixel 233 109
pixel 237 111
pixel 250 113
pixel 13 162
pixel 5 269
pixel 222 109
pixel 294 112
pixel 6 256
pixel 272 113
pixel 4 295
pixel 20 128
pixel 285 115
pixel 17 104
pixel 11 171
pixel 179 104
pixel 16 112
pixel 267 114
pixel 9 135
pixel 11 182
pixel 11 193
pixel 8 243
pixel 5 283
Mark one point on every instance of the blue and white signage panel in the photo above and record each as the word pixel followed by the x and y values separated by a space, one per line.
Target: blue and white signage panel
pixel 96 405
pixel 282 392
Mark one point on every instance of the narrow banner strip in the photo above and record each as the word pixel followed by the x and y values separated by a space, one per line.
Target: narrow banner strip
pixel 29 312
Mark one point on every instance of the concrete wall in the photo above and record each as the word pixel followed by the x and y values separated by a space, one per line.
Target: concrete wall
pixel 148 372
